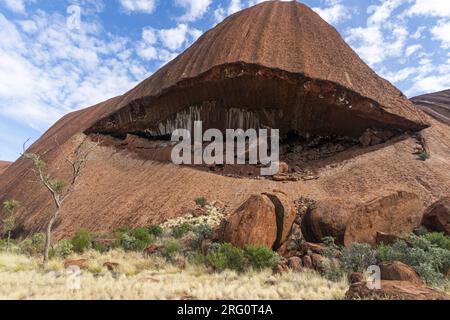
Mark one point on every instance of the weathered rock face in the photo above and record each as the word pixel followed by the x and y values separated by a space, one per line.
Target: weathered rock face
pixel 400 272
pixel 398 290
pixel 253 223
pixel 4 165
pixel 437 216
pixel 396 213
pixel 327 218
pixel 263 220
pixel 348 221
pixel 435 104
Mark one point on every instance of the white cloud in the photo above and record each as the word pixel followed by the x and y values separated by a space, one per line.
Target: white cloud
pixel 146 6
pixel 441 32
pixel 334 13
pixel 53 70
pixel 412 49
pixel 174 38
pixel 17 6
pixel 163 44
pixel 383 37
pixel 435 8
pixel 195 9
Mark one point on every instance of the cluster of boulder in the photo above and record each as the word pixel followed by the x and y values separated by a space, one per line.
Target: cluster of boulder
pixel 275 221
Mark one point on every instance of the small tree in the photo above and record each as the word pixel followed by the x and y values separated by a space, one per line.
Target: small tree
pixel 59 189
pixel 9 223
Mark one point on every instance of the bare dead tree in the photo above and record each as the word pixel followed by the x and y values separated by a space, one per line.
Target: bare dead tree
pixel 59 189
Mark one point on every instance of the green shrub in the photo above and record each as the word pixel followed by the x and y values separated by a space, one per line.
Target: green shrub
pixel 429 260
pixel 100 247
pixel 133 239
pixel 171 247
pixel 63 248
pixel 82 241
pixel 217 260
pixel 181 230
pixel 128 242
pixel 155 230
pixel 201 201
pixel 331 248
pixel 225 256
pixel 143 236
pixel 34 245
pixel 202 231
pixel 424 156
pixel 121 230
pixel 358 257
pixel 261 257
pixel 438 238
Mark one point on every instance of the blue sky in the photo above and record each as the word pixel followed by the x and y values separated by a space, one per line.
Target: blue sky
pixel 51 63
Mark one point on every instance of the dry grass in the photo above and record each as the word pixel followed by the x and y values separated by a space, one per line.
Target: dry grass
pixel 153 278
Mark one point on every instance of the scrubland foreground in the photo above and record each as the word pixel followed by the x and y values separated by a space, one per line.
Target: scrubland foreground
pixel 180 260
pixel 152 278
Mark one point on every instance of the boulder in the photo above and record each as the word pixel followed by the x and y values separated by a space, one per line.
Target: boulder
pixel 437 216
pixel 80 263
pixel 253 223
pixel 396 213
pixel 283 167
pixel 400 272
pixel 317 262
pixel 263 220
pixel 295 263
pixel 327 218
pixel 397 290
pixel 391 212
pixel 308 247
pixel 373 137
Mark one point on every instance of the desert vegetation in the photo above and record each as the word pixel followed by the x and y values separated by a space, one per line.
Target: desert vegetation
pixel 177 260
pixel 155 262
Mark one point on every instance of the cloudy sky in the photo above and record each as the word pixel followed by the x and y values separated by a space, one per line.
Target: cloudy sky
pixel 52 63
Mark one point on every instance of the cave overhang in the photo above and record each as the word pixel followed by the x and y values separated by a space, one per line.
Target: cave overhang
pixel 244 96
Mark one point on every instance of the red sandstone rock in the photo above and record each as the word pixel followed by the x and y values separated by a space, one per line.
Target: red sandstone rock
pixel 398 290
pixel 253 223
pixel 399 271
pixel 81 263
pixel 348 221
pixel 437 216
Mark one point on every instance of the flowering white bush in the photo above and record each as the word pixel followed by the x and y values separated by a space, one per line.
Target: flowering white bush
pixel 213 218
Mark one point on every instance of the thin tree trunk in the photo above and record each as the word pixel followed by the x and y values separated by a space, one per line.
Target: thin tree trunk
pixel 9 239
pixel 48 236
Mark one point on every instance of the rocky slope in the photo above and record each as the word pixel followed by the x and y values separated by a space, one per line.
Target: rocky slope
pixel 435 104
pixel 4 165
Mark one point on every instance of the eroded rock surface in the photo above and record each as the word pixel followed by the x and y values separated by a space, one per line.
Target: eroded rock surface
pixel 263 220
pixel 397 290
pixel 349 221
pixel 437 216
pixel 400 272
